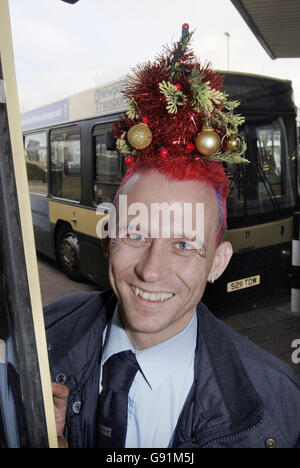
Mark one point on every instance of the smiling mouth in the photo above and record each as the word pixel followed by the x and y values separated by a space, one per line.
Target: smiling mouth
pixel 152 297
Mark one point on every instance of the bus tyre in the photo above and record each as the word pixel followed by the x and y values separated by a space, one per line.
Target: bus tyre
pixel 68 252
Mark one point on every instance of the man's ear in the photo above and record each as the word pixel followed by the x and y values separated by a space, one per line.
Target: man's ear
pixel 221 259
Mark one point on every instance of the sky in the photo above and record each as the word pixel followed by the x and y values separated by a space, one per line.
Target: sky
pixel 63 49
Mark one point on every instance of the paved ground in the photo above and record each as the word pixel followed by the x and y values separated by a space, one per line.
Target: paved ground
pixel 272 327
pixel 54 283
pixel 270 324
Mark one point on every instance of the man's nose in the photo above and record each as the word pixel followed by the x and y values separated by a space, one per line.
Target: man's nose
pixel 153 265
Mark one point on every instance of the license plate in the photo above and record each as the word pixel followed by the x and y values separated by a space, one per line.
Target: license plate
pixel 243 283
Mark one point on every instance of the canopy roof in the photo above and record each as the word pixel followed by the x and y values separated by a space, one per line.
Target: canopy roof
pixel 275 23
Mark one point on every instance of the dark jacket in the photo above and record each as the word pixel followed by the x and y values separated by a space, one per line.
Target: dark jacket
pixel 241 396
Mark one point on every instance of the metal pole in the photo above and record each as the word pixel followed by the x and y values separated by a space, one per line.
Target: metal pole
pixel 228 58
pixel 25 387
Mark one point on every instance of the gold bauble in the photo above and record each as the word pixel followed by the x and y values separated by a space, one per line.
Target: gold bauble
pixel 231 143
pixel 208 141
pixel 139 136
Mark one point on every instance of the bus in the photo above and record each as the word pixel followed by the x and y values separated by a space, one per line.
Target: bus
pixel 73 166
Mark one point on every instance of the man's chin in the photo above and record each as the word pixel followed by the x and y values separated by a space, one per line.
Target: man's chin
pixel 145 326
pixel 140 316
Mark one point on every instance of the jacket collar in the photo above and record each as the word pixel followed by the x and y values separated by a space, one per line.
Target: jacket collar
pixel 80 322
pixel 217 359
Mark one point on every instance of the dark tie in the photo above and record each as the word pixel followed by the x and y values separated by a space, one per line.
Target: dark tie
pixel 117 376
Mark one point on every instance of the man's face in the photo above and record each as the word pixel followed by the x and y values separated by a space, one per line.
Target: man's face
pixel 157 282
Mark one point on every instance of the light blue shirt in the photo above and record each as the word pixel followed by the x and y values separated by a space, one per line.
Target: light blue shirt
pixel 156 398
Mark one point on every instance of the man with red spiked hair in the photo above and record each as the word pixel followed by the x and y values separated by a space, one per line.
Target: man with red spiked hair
pixel 145 364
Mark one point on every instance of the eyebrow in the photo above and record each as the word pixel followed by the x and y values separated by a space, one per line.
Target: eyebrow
pixel 178 235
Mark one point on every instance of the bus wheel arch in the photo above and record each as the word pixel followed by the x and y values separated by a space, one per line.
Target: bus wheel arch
pixel 68 250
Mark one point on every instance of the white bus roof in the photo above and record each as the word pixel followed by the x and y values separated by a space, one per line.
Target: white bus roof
pixel 98 101
pixel 101 100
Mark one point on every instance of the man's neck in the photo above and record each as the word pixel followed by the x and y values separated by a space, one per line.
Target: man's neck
pixel 142 341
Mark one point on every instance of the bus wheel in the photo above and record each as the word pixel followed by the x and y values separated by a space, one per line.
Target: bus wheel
pixel 68 252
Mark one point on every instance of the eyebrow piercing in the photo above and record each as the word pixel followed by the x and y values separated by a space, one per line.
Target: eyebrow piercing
pixel 203 252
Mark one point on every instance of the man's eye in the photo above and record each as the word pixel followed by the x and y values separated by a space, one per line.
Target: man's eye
pixel 135 236
pixel 184 246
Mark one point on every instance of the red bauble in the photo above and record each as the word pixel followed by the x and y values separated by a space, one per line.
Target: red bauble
pixel 164 152
pixel 178 86
pixel 190 147
pixel 145 119
pixel 128 160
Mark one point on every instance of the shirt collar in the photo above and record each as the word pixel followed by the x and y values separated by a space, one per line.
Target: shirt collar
pixel 157 362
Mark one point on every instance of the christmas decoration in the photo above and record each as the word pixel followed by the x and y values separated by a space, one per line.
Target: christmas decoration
pixel 164 152
pixel 128 160
pixel 178 57
pixel 122 145
pixel 230 157
pixel 132 112
pixel 208 141
pixel 190 147
pixel 139 136
pixel 232 142
pixel 189 113
pixel 173 95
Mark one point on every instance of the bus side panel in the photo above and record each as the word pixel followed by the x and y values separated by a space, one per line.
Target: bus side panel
pixel 93 263
pixel 42 228
pixel 84 221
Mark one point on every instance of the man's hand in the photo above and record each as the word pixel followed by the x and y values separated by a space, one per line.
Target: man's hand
pixel 60 398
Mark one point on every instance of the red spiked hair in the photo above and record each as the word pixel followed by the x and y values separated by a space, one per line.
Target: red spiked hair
pixel 210 173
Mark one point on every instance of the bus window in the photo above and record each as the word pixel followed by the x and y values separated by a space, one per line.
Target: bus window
pixel 265 184
pixel 109 170
pixel 36 162
pixel 269 157
pixel 66 163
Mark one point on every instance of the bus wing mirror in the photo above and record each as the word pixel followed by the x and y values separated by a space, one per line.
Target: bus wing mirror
pixel 110 142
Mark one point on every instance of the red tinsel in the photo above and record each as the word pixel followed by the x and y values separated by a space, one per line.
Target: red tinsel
pixel 169 130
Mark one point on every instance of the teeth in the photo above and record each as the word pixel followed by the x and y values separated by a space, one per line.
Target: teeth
pixel 155 297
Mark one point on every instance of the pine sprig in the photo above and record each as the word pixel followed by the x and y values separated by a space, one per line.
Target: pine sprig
pixel 173 96
pixel 228 121
pixel 202 101
pixel 132 112
pixel 231 105
pixel 205 98
pixel 123 147
pixel 230 157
